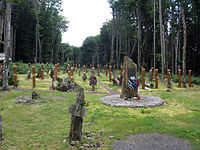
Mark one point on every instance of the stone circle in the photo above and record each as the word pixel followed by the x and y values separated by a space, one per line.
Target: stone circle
pixel 145 101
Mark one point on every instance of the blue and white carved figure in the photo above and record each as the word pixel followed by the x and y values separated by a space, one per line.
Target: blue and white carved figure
pixel 133 83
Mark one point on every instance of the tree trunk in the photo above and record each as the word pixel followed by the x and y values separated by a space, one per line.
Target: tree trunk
pixel 162 40
pixel 36 31
pixel 176 48
pixel 184 46
pixel 2 10
pixel 7 43
pixel 138 10
pixel 154 37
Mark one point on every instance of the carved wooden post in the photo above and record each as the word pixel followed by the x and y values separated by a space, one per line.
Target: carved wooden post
pixel 114 69
pixel 34 84
pixel 98 70
pixel 72 78
pixel 152 73
pixel 79 70
pixel 143 78
pixel 53 79
pixel 84 68
pixel 15 76
pixel 110 73
pixel 42 71
pixel 189 78
pixel 77 112
pixel 179 78
pixel 156 78
pixel 168 77
pixel 106 70
pixel 47 68
pixel 121 70
pixel 58 69
pixel 93 75
pixel 72 71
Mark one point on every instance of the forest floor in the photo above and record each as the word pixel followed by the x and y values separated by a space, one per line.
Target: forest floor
pixel 45 124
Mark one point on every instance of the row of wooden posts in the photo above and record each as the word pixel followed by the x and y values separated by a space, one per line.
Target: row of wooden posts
pixel 71 74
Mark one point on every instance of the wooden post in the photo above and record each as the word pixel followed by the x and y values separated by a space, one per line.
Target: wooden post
pixel 34 84
pixel 42 71
pixel 72 71
pixel 152 73
pixel 156 78
pixel 58 67
pixel 98 70
pixel 168 77
pixel 79 73
pixel 110 73
pixel 179 78
pixel 53 79
pixel 143 79
pixel 47 68
pixel 15 76
pixel 114 69
pixel 72 78
pixel 56 71
pixel 84 68
pixel 121 70
pixel 189 78
pixel 106 70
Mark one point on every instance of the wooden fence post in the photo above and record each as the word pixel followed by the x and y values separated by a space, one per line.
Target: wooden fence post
pixel 98 70
pixel 42 71
pixel 110 73
pixel 156 78
pixel 34 83
pixel 168 78
pixel 106 70
pixel 189 78
pixel 179 78
pixel 143 79
pixel 152 73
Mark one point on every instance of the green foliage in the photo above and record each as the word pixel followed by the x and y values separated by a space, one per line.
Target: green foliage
pixel 68 62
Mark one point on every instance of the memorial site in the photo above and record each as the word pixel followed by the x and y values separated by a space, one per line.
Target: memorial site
pixel 133 83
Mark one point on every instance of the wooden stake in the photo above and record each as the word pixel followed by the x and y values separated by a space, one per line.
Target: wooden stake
pixel 168 77
pixel 42 71
pixel 34 83
pixel 156 78
pixel 110 73
pixel 106 70
pixel 121 70
pixel 143 79
pixel 189 78
pixel 152 73
pixel 98 70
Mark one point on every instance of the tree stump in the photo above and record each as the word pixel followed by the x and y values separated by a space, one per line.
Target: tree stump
pixel 77 112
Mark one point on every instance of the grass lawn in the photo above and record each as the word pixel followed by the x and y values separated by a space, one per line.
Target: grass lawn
pixel 45 125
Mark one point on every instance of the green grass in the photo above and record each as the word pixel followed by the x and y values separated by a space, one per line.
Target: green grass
pixel 47 124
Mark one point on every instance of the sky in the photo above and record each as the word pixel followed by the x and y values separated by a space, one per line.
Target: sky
pixel 86 17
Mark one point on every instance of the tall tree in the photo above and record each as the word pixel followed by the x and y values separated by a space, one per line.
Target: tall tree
pixel 162 42
pixel 184 45
pixel 7 43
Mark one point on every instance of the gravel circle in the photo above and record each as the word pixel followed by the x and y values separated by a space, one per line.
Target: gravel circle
pixel 146 101
pixel 153 141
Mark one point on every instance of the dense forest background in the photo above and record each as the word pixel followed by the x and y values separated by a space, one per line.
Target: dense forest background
pixel 162 34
